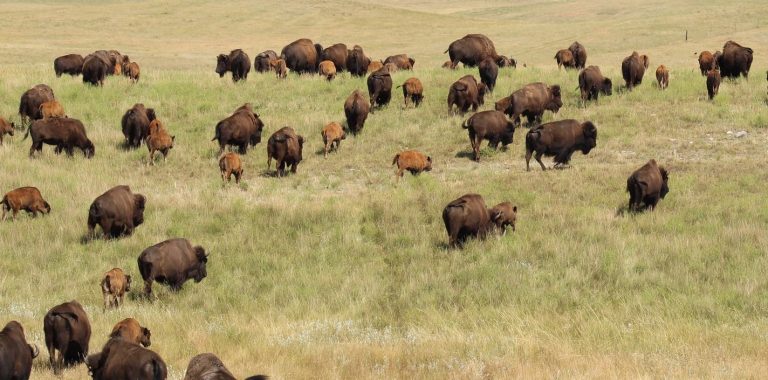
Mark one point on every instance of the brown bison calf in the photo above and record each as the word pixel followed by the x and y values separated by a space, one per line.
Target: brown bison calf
pixel 713 83
pixel 52 108
pixel 356 109
pixel 465 93
pixel 448 65
pixel 278 66
pixel 375 66
pixel 327 69
pixel 706 62
pixel 285 147
pixel 132 71
pixel 559 139
pixel 131 331
pixel 332 135
pixel 503 215
pixel 412 89
pixel 230 164
pixel 68 331
pixel 5 128
pixel 158 139
pixel 28 199
pixel 565 59
pixel 114 285
pixel 412 161
pixel 662 76
pixel 647 185
pixel 489 125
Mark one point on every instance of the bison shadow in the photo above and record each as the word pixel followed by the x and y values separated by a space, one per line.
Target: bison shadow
pixel 465 154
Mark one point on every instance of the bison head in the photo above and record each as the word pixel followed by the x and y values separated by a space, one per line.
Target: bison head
pixel 555 101
pixel 590 136
pixel 482 89
pixel 151 114
pixel 664 182
pixel 501 219
pixel 138 214
pixel 222 62
pixel 412 61
pixel 127 283
pixel 428 166
pixel 145 337
pixel 607 88
pixel 508 136
pixel 89 149
pixel 646 61
pixel 202 259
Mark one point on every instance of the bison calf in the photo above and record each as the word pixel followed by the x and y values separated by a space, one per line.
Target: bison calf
pixel 327 69
pixel 706 62
pixel 68 332
pixel 28 199
pixel 375 66
pixel 559 139
pixel 158 139
pixel 332 135
pixel 713 83
pixel 279 67
pixel 662 76
pixel 230 164
pixel 489 125
pixel 132 71
pixel 503 215
pixel 131 331
pixel 285 146
pixel 114 285
pixel 5 128
pixel 412 89
pixel 412 161
pixel 52 108
pixel 647 185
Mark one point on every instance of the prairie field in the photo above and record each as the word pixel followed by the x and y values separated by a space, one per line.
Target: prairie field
pixel 340 271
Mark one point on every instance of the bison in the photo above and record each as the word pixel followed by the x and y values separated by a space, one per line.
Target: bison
pixel 337 54
pixel 647 185
pixel 278 65
pixel 489 70
pixel 706 62
pixel 565 59
pixel 52 108
pixel 402 61
pixel 96 67
pixel 465 93
pixel 374 66
pixel 114 285
pixel 68 331
pixel 412 161
pixel 531 101
pixel 172 262
pixel 158 139
pixel 29 105
pixel 131 331
pixel 230 164
pixel 332 134
pixel 380 87
pixel 5 128
pixel 592 83
pixel 503 215
pixel 118 212
pixel 71 64
pixel 633 68
pixel 471 50
pixel 302 55
pixel 262 60
pixel 327 69
pixel 209 367
pixel 466 217
pixel 559 139
pixel 357 61
pixel 236 62
pixel 132 71
pixel 579 54
pixel 135 124
pixel 356 110
pixel 713 83
pixel 15 353
pixel 662 76
pixel 64 133
pixel 285 147
pixel 735 60
pixel 412 89
pixel 122 360
pixel 28 199
pixel 505 61
pixel 240 129
pixel 489 125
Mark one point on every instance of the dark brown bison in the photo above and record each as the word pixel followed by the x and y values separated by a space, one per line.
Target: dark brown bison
pixel 337 54
pixel 207 367
pixel 131 331
pixel 118 212
pixel 122 360
pixel 172 262
pixel 633 68
pixel 412 89
pixel 489 70
pixel 64 133
pixel 68 331
pixel 503 215
pixel 505 61
pixel 357 61
pixel 15 353
pixel 237 62
pixel 465 93
pixel 559 139
pixel 302 56
pixel 52 108
pixel 281 70
pixel 135 124
pixel 380 87
pixel 28 199
pixel 29 105
pixel 466 217
pixel 531 101
pixel 489 125
pixel 565 59
pixel 261 63
pixel 412 161
pixel 713 83
pixel 285 146
pixel 402 61
pixel 158 140
pixel 240 129
pixel 706 62
pixel 471 50
pixel 5 128
pixel 132 71
pixel 327 69
pixel 96 68
pixel 647 185
pixel 662 76
pixel 71 64
pixel 114 285
pixel 592 83
pixel 332 134
pixel 230 164
pixel 356 109
pixel 579 54
pixel 735 60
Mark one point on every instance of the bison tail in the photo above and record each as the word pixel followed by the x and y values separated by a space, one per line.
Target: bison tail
pixel 26 134
pixel 159 372
pixel 394 161
pixel 446 50
pixel 465 124
pixel 531 138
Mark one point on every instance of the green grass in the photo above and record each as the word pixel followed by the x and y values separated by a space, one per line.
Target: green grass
pixel 339 271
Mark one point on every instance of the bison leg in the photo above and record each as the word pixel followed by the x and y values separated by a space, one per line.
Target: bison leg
pixel 538 158
pixel 327 148
pixel 528 154
pixel 36 146
pixel 151 156
pixel 243 148
pixel 148 287
pixel 237 176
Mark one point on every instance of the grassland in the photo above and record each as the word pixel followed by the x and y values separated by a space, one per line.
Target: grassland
pixel 339 272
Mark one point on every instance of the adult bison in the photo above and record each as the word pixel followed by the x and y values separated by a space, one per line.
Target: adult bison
pixel 68 331
pixel 489 70
pixel 96 67
pixel 65 133
pixel 465 93
pixel 380 87
pixel 559 139
pixel 707 62
pixel 122 360
pixel 471 50
pixel 240 129
pixel 285 146
pixel 592 83
pixel 357 61
pixel 302 56
pixel 565 59
pixel 489 125
pixel 261 62
pixel 338 54
pixel 29 105
pixel 135 124
pixel 468 217
pixel 172 262
pixel 15 353
pixel 531 101
pixel 633 68
pixel 71 64
pixel 207 366
pixel 402 61
pixel 237 62
pixel 118 212
pixel 647 185
pixel 356 109
pixel 735 60
pixel 579 54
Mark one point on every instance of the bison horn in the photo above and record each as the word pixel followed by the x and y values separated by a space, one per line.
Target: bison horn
pixel 35 350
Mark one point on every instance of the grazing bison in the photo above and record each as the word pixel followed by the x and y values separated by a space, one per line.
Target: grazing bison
pixel 448 65
pixel 465 93
pixel 466 217
pixel 579 54
pixel 285 147
pixel 374 66
pixel 356 110
pixel 302 56
pixel 503 215
pixel 380 87
pixel 633 68
pixel 471 50
pixel 5 128
pixel 96 67
pixel 412 89
pixel 647 185
pixel 559 139
pixel 402 61
pixel 240 129
pixel 662 76
pixel 64 133
pixel 29 105
pixel 236 62
pixel 131 331
pixel 118 212
pixel 735 60
pixel 135 124
pixel 278 65
pixel 207 367
pixel 391 67
pixel 332 134
pixel 28 199
pixel 357 61
pixel 132 71
pixel 122 360
pixel 158 139
pixel 706 62
pixel 565 59
pixel 337 54
pixel 68 331
pixel 172 262
pixel 327 69
pixel 592 83
pixel 489 70
pixel 261 63
pixel 713 83
pixel 505 61
pixel 52 108
pixel 230 164
pixel 489 125
pixel 71 64
pixel 15 353
pixel 114 285
pixel 412 161
pixel 531 101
